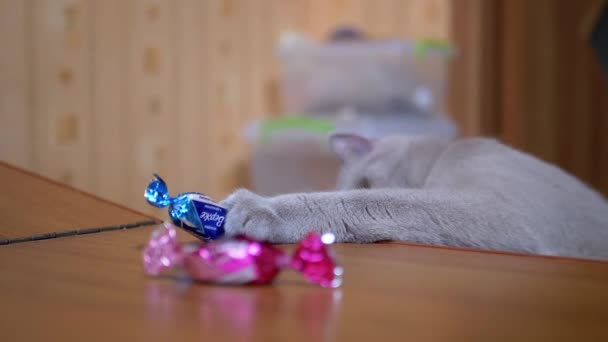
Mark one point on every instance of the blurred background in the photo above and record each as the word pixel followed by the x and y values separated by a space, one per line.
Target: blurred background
pixel 219 94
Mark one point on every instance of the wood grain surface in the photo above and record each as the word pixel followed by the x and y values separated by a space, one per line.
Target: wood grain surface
pixel 92 288
pixel 30 204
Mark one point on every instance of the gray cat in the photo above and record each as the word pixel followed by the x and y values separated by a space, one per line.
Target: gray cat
pixel 472 192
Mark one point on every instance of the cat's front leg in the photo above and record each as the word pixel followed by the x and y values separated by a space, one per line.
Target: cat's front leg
pixel 352 216
pixel 422 216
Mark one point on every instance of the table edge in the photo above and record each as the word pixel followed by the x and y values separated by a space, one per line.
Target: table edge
pixel 404 243
pixel 74 189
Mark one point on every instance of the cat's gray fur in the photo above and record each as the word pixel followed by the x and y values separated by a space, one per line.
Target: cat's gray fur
pixel 470 192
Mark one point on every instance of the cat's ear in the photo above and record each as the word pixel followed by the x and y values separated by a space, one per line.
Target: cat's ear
pixel 350 146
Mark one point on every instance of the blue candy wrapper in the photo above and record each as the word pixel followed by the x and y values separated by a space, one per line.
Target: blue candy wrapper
pixel 192 211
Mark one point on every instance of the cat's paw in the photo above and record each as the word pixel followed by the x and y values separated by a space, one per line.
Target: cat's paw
pixel 250 214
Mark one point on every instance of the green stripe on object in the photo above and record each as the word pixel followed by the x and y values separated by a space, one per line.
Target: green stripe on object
pixel 300 123
pixel 424 46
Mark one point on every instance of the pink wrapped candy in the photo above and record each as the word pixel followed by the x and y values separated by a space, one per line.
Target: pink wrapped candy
pixel 240 260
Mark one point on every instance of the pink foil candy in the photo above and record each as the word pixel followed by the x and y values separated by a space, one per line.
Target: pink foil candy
pixel 240 260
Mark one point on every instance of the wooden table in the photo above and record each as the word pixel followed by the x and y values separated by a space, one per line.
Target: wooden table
pixel 91 287
pixel 32 207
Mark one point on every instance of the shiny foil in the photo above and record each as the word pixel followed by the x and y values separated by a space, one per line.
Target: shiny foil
pixel 192 211
pixel 240 260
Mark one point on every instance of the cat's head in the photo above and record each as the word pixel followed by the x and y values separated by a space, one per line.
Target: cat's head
pixel 367 163
pixel 389 162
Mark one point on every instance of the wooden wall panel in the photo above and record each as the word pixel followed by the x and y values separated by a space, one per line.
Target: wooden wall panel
pixel 581 101
pixel 226 110
pixel 382 18
pixel 428 18
pixel 511 45
pixel 474 80
pixel 110 94
pixel 192 48
pixel 287 15
pixel 62 112
pixel 15 123
pixel 376 17
pixel 324 15
pixel 541 61
pixel 554 102
pixel 151 120
pixel 105 92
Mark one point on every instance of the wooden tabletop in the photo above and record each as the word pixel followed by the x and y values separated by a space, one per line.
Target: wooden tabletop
pixel 33 205
pixel 92 287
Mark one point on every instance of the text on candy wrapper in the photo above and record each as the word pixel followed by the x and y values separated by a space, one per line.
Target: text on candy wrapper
pixel 218 219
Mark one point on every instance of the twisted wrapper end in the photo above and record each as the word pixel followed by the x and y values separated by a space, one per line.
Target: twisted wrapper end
pixel 163 250
pixel 315 262
pixel 157 193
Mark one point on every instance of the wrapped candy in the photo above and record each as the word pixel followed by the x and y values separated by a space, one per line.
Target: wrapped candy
pixel 192 211
pixel 240 260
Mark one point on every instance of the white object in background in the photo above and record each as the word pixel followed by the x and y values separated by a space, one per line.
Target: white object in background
pixel 370 76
